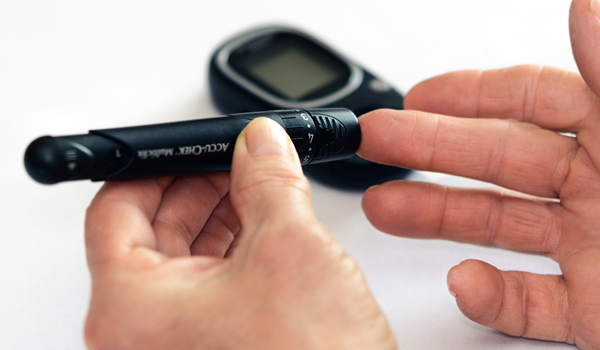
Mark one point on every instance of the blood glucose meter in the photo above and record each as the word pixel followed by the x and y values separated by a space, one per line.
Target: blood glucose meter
pixel 280 67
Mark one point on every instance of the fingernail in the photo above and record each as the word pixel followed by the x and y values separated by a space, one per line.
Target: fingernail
pixel 265 137
pixel 449 281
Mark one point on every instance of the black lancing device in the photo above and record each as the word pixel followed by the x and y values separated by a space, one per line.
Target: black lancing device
pixel 185 148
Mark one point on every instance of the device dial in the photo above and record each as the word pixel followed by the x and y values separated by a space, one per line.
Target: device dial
pixel 301 127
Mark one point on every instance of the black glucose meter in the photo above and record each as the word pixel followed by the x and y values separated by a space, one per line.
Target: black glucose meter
pixel 281 68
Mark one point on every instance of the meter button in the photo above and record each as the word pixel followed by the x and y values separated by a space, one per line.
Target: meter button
pixel 301 127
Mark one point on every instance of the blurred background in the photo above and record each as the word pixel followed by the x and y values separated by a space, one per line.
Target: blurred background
pixel 69 66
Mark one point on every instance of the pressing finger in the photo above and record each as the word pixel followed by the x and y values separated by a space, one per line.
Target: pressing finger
pixel 272 199
pixel 514 155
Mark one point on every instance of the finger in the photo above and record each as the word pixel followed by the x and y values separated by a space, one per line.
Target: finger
pixel 118 219
pixel 266 176
pixel 584 28
pixel 218 233
pixel 186 207
pixel 269 192
pixel 485 217
pixel 514 155
pixel 516 303
pixel 551 98
pixel 584 25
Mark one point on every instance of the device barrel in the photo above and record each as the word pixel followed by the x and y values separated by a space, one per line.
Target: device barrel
pixel 184 148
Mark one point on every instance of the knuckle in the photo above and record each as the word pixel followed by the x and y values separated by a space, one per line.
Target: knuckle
pixel 530 226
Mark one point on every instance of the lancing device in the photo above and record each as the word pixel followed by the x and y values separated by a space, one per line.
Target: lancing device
pixel 185 148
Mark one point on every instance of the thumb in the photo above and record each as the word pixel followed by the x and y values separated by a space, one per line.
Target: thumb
pixel 269 192
pixel 584 27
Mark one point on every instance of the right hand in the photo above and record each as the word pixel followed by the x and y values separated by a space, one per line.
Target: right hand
pixel 159 280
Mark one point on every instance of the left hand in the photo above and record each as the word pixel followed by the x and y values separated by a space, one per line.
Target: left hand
pixel 506 131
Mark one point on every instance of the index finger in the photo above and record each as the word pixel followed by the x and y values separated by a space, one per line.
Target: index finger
pixel 514 155
pixel 119 219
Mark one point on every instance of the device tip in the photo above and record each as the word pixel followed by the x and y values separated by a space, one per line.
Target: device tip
pixel 43 161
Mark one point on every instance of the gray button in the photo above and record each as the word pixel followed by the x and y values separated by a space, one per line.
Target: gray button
pixel 379 86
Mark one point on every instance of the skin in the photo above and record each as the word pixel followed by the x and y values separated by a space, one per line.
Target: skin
pixel 159 281
pixel 156 247
pixel 502 126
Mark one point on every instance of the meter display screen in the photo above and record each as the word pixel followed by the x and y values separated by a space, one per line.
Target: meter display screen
pixel 291 67
pixel 293 73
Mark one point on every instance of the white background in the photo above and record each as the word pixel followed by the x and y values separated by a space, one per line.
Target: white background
pixel 69 66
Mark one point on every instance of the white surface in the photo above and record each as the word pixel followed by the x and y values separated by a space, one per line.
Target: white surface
pixel 69 66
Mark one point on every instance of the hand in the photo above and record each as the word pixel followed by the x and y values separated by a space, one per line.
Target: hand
pixel 506 132
pixel 159 281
